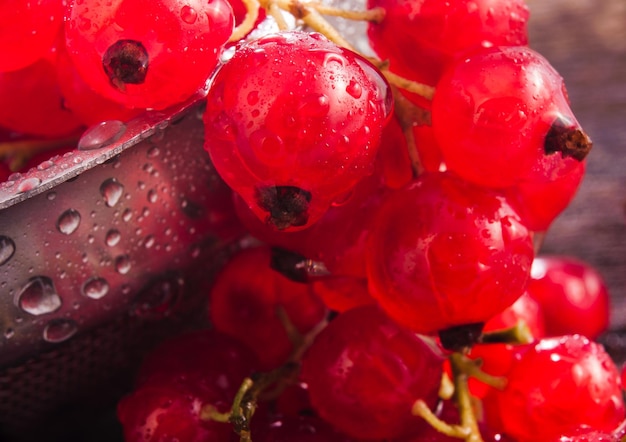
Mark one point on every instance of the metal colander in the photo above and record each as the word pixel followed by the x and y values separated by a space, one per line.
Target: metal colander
pixel 103 252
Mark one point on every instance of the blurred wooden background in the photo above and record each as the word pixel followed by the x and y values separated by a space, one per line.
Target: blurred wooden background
pixel 585 40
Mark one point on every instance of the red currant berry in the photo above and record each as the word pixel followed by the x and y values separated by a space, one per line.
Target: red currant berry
pixel 293 122
pixel 443 253
pixel 32 102
pixel 28 30
pixel 558 385
pixel 244 301
pixel 498 111
pixel 572 295
pixel 342 293
pixel 147 53
pixel 158 413
pixel 420 37
pixel 364 373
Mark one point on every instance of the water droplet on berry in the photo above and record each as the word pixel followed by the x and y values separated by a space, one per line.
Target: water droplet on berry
pixel 112 191
pixel 188 14
pixel 314 106
pixel 122 264
pixel 113 237
pixel 331 58
pixel 160 297
pixel 59 330
pixel 7 249
pixel 95 288
pixel 354 89
pixel 68 222
pixel 38 296
pixel 101 135
pixel 253 98
pixel 28 184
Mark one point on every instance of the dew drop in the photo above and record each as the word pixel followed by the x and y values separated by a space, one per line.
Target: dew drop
pixel 101 135
pixel 7 249
pixel 45 165
pixel 159 298
pixel 111 190
pixel 149 241
pixel 28 184
pixel 153 152
pixel 188 14
pixel 354 89
pixel 113 237
pixel 95 288
pixel 38 296
pixel 253 98
pixel 59 330
pixel 9 333
pixel 127 215
pixel 122 264
pixel 68 222
pixel 153 196
pixel 51 196
pixel 334 58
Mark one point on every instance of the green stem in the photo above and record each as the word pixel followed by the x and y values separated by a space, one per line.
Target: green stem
pixel 464 399
pixel 518 334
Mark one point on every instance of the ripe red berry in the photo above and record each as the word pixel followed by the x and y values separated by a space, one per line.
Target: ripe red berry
pixel 244 301
pixel 293 122
pixel 573 296
pixel 420 37
pixel 558 385
pixel 28 30
pixel 444 253
pixel 146 53
pixel 364 373
pixel 498 111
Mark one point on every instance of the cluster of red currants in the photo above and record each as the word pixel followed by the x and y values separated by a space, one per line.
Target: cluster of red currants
pixel 394 294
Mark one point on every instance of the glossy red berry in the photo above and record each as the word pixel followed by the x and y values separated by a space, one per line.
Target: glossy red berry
pixel 28 30
pixel 32 102
pixel 443 253
pixel 364 373
pixel 420 37
pixel 293 122
pixel 244 303
pixel 572 294
pixel 558 385
pixel 146 53
pixel 498 111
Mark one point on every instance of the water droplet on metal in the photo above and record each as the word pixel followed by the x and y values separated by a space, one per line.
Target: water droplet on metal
pixel 95 288
pixel 153 152
pixel 111 190
pixel 28 184
pixel 59 330
pixel 7 249
pixel 68 222
pixel 9 333
pixel 113 237
pixel 38 296
pixel 47 164
pixel 153 196
pixel 101 135
pixel 122 264
pixel 127 215
pixel 160 297
pixel 51 196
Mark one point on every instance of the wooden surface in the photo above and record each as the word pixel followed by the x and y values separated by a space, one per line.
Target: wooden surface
pixel 585 40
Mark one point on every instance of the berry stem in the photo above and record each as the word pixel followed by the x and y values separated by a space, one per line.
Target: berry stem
pixel 375 15
pixel 446 389
pixel 463 398
pixel 421 409
pixel 421 89
pixel 471 368
pixel 252 14
pixel 408 115
pixel 518 334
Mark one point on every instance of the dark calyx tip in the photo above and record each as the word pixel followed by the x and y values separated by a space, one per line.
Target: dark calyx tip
pixel 126 62
pixel 462 336
pixel 288 206
pixel 289 264
pixel 568 139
